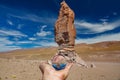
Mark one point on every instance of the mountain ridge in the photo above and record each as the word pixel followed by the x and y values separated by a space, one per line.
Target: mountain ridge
pixel 109 50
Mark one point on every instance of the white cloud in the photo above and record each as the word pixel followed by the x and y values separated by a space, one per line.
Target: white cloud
pixel 16 38
pixel 44 17
pixel 43 33
pixel 20 26
pixel 43 43
pixel 10 22
pixel 4 48
pixel 35 18
pixel 32 39
pixel 5 45
pixel 14 33
pixel 24 42
pixel 97 27
pixel 114 13
pixel 104 20
pixel 4 40
pixel 105 37
pixel 46 43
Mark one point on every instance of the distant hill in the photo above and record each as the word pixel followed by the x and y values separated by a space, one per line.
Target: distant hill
pixel 85 50
pixel 98 47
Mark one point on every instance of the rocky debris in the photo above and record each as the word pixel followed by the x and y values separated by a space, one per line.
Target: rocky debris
pixel 92 65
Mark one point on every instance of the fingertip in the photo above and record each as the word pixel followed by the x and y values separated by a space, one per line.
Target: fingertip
pixel 69 65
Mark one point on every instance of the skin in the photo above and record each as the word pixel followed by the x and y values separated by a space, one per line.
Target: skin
pixel 49 73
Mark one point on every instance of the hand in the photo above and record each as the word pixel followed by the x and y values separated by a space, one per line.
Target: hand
pixel 49 73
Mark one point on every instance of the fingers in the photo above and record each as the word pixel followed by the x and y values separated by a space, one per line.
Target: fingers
pixel 67 69
pixel 49 62
pixel 43 65
pixel 68 66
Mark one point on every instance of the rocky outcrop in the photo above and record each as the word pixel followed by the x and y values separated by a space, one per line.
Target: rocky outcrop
pixel 65 32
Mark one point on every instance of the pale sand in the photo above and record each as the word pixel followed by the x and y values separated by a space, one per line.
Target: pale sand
pixel 19 69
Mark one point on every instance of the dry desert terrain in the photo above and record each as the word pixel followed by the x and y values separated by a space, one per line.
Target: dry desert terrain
pixel 24 64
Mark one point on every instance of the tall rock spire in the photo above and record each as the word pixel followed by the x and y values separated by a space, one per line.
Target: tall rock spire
pixel 65 32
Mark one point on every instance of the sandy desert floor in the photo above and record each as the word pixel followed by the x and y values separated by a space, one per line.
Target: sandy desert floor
pixel 19 69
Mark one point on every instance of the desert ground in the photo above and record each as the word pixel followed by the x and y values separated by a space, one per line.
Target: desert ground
pixel 24 64
pixel 18 69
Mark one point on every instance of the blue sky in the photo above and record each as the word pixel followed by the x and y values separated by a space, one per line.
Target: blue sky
pixel 30 23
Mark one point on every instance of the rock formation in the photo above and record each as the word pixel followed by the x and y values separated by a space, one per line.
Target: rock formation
pixel 65 34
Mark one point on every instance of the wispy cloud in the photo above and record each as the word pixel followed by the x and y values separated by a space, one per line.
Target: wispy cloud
pixel 96 27
pixel 115 13
pixel 10 22
pixel 5 45
pixel 14 33
pixel 20 26
pixel 23 15
pixel 32 39
pixel 105 37
pixel 46 43
pixel 5 40
pixel 4 48
pixel 43 33
pixel 35 18
pixel 24 42
pixel 42 43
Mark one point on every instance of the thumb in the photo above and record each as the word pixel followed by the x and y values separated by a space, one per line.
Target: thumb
pixel 68 66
